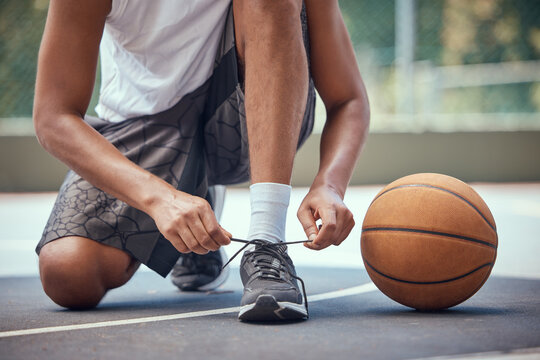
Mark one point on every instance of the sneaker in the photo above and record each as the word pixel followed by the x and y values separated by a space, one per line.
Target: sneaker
pixel 271 289
pixel 194 272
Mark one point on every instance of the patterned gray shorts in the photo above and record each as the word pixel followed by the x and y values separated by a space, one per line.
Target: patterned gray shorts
pixel 199 142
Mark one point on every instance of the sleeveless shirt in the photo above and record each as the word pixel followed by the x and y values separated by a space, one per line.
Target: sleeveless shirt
pixel 153 52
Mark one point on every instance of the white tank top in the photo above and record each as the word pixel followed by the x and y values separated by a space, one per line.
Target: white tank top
pixel 153 52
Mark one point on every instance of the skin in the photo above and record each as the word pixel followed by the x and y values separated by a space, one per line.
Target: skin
pixel 342 90
pixel 274 113
pixel 275 98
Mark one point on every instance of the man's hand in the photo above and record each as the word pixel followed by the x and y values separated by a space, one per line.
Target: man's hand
pixel 325 204
pixel 189 223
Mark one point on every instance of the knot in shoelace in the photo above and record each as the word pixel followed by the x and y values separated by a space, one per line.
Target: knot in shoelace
pixel 268 268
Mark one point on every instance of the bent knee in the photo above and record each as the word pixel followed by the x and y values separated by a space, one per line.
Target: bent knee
pixel 68 281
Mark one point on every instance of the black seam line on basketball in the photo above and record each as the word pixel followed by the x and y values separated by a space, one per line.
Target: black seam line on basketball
pixel 443 189
pixel 432 233
pixel 428 282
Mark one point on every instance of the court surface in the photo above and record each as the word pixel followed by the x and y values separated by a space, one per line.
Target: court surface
pixel 350 318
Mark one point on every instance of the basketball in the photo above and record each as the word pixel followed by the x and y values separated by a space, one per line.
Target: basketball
pixel 429 241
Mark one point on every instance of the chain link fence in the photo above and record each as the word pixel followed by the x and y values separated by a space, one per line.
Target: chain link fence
pixel 440 65
pixel 449 65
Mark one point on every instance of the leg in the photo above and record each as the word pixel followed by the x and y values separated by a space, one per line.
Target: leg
pixel 76 272
pixel 271 50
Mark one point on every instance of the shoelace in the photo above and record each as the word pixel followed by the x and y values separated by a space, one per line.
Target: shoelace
pixel 268 268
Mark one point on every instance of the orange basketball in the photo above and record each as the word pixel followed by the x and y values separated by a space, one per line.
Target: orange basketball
pixel 428 241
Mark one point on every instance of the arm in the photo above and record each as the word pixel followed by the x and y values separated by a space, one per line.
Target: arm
pixel 65 78
pixel 340 85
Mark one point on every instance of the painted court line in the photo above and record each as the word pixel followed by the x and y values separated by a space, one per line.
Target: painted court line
pixel 314 298
pixel 516 354
pixel 355 290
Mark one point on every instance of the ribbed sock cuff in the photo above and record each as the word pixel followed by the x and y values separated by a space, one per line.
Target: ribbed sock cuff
pixel 269 203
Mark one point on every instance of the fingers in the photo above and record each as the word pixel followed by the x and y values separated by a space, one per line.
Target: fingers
pixel 228 234
pixel 328 231
pixel 191 242
pixel 337 223
pixel 195 228
pixel 347 228
pixel 202 237
pixel 212 229
pixel 178 243
pixel 307 219
pixel 207 234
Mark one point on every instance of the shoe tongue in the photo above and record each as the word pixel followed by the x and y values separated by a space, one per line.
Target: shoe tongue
pixel 280 248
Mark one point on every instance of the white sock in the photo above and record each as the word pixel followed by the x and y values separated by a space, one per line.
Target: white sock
pixel 269 203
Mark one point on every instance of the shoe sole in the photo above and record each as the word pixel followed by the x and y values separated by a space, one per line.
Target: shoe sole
pixel 266 308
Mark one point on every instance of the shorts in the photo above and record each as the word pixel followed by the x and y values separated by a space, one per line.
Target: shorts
pixel 199 142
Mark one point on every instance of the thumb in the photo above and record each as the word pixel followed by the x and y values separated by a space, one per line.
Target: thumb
pixel 308 223
pixel 228 234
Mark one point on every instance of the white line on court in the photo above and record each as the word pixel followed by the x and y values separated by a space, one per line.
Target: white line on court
pixel 517 354
pixel 355 290
pixel 360 289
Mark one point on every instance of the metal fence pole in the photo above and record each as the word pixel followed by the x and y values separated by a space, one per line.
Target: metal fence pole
pixel 405 43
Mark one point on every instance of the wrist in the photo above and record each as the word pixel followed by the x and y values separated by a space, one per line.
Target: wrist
pixel 325 182
pixel 154 195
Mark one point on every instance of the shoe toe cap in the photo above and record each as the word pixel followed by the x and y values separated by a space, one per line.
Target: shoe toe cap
pixel 280 293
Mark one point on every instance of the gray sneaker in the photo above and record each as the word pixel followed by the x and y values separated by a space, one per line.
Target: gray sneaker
pixel 271 289
pixel 193 272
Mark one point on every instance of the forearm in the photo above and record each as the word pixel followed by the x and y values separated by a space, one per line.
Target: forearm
pixel 89 154
pixel 64 82
pixel 342 140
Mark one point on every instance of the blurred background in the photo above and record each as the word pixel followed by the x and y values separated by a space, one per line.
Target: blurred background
pixel 464 68
pixel 454 87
